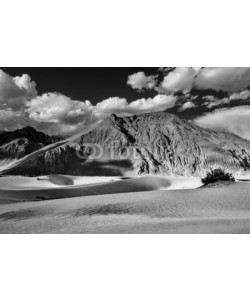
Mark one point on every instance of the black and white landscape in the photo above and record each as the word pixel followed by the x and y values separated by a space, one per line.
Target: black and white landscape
pixel 124 150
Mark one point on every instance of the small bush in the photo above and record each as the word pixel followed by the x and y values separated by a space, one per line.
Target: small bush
pixel 217 175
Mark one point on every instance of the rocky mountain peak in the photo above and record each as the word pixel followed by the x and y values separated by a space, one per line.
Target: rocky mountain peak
pixel 150 143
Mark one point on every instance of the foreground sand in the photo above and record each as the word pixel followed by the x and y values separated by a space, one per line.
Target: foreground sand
pixel 212 210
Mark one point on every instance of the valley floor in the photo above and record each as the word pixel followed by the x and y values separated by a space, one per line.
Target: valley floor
pixel 211 210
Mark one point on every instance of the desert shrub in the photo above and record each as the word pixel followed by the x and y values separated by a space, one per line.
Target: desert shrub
pixel 217 175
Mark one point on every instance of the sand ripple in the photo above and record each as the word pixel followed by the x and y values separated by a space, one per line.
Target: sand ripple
pixel 214 210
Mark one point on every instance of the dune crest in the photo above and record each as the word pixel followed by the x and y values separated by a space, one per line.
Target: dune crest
pixel 146 183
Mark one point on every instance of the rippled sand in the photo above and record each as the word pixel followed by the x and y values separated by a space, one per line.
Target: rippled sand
pixel 213 210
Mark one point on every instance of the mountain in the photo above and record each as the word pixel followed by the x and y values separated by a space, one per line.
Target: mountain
pixel 27 132
pixel 21 142
pixel 150 143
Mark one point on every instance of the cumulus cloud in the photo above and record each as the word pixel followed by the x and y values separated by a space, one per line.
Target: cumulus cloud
pixel 121 106
pixel 58 114
pixel 140 81
pixel 55 113
pixel 185 79
pixel 226 79
pixel 66 116
pixel 235 120
pixel 10 120
pixel 158 103
pixel 56 108
pixel 15 91
pixel 180 79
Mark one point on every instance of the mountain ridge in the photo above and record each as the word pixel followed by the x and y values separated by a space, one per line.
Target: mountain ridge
pixel 150 143
pixel 29 133
pixel 21 142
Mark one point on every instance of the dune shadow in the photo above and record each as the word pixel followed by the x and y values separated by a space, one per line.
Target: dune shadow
pixel 106 168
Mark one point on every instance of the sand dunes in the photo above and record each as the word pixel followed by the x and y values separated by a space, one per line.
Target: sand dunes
pixel 148 204
pixel 17 188
pixel 214 210
pixel 22 182
pixel 147 183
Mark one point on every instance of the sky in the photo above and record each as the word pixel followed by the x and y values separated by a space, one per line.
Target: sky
pixel 66 101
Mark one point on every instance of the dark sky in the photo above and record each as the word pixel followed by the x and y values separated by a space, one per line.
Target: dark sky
pixel 97 84
pixel 208 95
pixel 94 84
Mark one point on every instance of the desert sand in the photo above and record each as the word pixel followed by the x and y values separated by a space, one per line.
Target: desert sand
pixel 146 183
pixel 138 205
pixel 23 182
pixel 18 188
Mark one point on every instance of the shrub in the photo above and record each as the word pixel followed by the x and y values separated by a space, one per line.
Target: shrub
pixel 217 175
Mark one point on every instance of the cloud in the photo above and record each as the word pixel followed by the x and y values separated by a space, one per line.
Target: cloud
pixel 217 102
pixel 243 95
pixel 235 120
pixel 186 106
pixel 56 108
pixel 185 79
pixel 140 81
pixel 226 79
pixel 55 113
pixel 10 120
pixel 59 114
pixel 158 103
pixel 209 98
pixel 15 91
pixel 180 79
pixel 120 105
pixel 212 101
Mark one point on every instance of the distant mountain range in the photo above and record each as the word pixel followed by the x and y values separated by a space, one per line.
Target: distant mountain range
pixel 21 142
pixel 151 143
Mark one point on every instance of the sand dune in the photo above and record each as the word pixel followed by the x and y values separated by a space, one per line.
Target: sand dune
pixel 174 182
pixel 71 204
pixel 147 183
pixel 57 179
pixel 23 182
pixel 214 210
pixel 183 182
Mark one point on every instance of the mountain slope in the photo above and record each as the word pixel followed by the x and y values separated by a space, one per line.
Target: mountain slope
pixel 151 143
pixel 21 142
pixel 27 132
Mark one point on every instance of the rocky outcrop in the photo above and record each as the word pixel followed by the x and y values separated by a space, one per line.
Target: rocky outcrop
pixel 18 148
pixel 151 143
pixel 21 142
